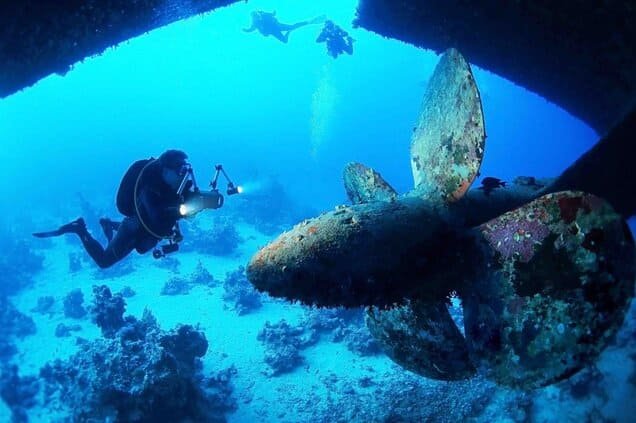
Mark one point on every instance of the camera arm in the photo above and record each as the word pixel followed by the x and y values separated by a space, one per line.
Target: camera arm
pixel 231 188
pixel 189 176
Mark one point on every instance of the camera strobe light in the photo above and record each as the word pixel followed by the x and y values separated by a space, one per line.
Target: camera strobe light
pixel 231 189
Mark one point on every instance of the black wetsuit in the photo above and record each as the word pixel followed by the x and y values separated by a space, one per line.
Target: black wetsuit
pixel 159 211
pixel 267 24
pixel 338 41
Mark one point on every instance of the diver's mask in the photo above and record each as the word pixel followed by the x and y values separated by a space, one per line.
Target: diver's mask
pixel 174 176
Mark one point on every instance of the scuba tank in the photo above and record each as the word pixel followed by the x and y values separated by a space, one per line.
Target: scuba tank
pixel 126 191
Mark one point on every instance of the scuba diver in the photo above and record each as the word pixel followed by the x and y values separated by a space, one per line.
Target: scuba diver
pixel 153 195
pixel 338 41
pixel 267 24
pixel 148 197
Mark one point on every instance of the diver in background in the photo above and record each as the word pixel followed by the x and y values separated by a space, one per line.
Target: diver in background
pixel 267 24
pixel 338 41
pixel 150 217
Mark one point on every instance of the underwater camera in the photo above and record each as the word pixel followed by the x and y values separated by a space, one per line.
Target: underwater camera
pixel 194 201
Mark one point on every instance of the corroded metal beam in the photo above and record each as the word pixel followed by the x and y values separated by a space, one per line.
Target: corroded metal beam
pixel 607 170
pixel 578 54
pixel 38 38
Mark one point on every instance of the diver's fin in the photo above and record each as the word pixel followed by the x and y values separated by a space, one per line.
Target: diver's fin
pixel 448 140
pixel 364 184
pixel 75 226
pixel 48 234
pixel 563 279
pixel 607 170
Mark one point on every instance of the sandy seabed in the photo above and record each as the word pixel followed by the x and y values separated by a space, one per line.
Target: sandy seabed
pixel 330 370
pixel 232 338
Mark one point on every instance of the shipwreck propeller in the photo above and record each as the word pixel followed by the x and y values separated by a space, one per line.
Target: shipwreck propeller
pixel 544 279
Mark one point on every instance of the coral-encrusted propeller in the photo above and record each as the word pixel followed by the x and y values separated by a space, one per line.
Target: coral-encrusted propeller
pixel 544 278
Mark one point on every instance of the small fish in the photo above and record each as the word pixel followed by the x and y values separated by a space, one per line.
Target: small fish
pixel 489 183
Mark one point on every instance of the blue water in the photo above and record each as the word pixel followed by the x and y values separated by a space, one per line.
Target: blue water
pixel 249 102
pixel 261 108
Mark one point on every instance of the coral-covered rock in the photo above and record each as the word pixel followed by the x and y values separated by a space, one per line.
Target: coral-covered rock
pixel 44 306
pixel 201 276
pixel 107 310
pixel 185 343
pixel 176 285
pixel 283 344
pixel 344 325
pixel 19 393
pixel 74 304
pixel 221 239
pixel 7 348
pixel 327 320
pixel 358 340
pixel 62 330
pixel 18 262
pixel 284 359
pixel 13 324
pixel 142 374
pixel 127 292
pixel 218 391
pixel 240 292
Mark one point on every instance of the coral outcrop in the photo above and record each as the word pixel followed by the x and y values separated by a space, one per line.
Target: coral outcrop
pixel 139 373
pixel 74 304
pixel 240 293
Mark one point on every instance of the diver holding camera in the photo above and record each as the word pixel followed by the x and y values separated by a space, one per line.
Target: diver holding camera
pixel 153 195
